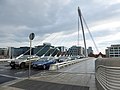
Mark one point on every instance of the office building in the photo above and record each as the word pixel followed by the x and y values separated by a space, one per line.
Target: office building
pixel 45 49
pixel 113 51
pixel 3 52
pixel 89 50
pixel 62 48
pixel 76 50
pixel 14 52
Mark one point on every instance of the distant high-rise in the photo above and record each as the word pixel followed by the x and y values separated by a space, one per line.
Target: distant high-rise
pixel 89 50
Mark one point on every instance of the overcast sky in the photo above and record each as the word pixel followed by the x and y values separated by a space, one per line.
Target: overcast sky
pixel 55 21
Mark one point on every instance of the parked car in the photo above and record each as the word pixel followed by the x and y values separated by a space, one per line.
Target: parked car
pixel 23 61
pixel 73 57
pixel 43 63
pixel 63 59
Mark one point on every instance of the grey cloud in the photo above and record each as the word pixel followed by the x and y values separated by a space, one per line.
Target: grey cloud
pixel 19 18
pixel 95 12
pixel 102 33
pixel 109 43
pixel 44 16
pixel 29 12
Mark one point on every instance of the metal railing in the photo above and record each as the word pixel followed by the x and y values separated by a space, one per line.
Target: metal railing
pixel 108 77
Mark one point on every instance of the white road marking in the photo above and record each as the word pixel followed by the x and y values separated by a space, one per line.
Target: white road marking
pixel 9 76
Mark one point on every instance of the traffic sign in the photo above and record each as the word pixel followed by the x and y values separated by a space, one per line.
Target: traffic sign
pixel 31 36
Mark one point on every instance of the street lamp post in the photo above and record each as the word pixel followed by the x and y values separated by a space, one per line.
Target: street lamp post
pixel 31 37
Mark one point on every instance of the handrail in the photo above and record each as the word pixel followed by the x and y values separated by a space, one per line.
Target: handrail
pixel 108 77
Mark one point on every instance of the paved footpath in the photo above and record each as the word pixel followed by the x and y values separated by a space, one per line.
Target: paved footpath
pixel 56 80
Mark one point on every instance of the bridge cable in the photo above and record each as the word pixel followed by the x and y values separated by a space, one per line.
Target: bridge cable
pixel 90 34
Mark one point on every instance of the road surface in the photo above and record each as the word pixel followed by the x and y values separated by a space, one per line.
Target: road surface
pixel 80 75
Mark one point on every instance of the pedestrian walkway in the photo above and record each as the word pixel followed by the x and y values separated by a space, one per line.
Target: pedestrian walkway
pixel 56 80
pixel 30 84
pixel 86 80
pixel 65 81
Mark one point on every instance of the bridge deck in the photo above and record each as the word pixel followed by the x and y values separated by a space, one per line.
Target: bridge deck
pixel 80 76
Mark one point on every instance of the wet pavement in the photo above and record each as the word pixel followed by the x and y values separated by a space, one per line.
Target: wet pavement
pixel 81 75
pixel 4 79
pixel 5 69
pixel 42 85
pixel 7 74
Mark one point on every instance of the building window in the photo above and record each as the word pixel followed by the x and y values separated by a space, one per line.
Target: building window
pixel 116 55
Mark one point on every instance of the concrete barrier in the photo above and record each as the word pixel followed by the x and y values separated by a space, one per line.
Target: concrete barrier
pixel 107 70
pixel 53 67
pixel 65 64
